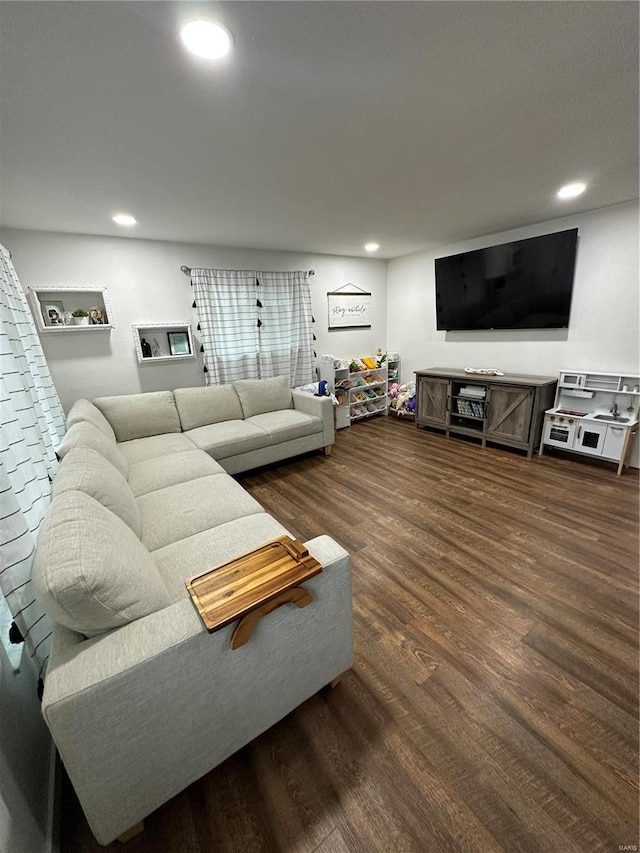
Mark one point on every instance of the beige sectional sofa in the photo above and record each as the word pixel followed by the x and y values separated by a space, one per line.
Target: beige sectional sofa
pixel 139 698
pixel 249 423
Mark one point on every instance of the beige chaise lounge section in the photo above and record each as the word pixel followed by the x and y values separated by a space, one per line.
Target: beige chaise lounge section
pixel 140 699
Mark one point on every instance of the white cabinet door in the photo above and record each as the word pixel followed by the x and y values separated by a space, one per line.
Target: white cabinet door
pixel 590 439
pixel 614 442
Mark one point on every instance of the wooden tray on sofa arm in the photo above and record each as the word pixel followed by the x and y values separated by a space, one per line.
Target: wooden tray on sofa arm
pixel 253 585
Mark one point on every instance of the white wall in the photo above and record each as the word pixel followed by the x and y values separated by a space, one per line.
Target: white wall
pixel 603 327
pixel 146 286
pixel 25 747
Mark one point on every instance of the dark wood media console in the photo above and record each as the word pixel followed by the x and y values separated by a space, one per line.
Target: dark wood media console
pixel 506 410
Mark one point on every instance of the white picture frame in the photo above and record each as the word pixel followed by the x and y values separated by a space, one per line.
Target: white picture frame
pixel 52 312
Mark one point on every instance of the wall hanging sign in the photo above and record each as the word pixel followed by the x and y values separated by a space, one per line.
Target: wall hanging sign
pixel 349 309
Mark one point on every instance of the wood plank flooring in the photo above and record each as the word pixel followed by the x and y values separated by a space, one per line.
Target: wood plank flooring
pixel 493 702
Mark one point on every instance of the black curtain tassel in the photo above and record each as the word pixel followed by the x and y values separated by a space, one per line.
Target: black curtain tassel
pixel 315 354
pixel 194 304
pixel 205 369
pixel 257 283
pixel 314 338
pixel 313 319
pixel 259 323
pixel 201 347
pixel 258 303
pixel 15 635
pixel 198 327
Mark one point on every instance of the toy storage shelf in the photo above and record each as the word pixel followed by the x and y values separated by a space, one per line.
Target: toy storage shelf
pixel 362 394
pixel 393 368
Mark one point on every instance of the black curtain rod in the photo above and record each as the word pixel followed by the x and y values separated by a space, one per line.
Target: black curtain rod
pixel 187 270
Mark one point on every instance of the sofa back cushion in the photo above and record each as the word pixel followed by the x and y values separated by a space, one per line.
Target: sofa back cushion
pixel 199 407
pixel 85 470
pixel 263 395
pixel 90 571
pixel 140 415
pixel 83 410
pixel 84 434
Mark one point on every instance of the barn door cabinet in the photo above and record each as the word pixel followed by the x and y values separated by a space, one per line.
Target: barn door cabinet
pixel 506 410
pixel 432 401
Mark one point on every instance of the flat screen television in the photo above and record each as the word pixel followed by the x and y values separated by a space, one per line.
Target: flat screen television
pixel 526 284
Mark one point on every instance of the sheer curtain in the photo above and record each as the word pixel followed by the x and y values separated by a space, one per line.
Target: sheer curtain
pixel 226 302
pixel 286 336
pixel 31 425
pixel 254 324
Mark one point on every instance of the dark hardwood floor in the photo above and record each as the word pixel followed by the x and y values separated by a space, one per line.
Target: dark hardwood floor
pixel 493 701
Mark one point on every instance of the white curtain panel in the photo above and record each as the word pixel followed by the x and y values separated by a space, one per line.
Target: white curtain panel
pixel 254 324
pixel 226 307
pixel 32 423
pixel 286 335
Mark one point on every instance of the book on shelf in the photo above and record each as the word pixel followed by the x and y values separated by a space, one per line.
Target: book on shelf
pixel 472 391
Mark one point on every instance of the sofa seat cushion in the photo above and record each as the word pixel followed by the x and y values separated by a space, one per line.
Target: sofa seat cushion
pixel 177 512
pixel 228 438
pixel 91 573
pixel 286 424
pixel 84 434
pixel 153 474
pixel 182 560
pixel 140 415
pixel 83 410
pixel 141 449
pixel 263 395
pixel 85 470
pixel 201 406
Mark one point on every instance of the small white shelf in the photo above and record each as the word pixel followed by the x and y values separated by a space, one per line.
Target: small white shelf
pixel 62 330
pixel 57 303
pixel 158 336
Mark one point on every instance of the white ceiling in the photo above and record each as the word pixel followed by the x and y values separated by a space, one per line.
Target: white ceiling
pixel 415 124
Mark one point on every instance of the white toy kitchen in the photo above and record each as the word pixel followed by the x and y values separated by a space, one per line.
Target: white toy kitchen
pixel 594 413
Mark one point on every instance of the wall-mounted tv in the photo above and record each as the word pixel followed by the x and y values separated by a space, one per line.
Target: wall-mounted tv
pixel 526 284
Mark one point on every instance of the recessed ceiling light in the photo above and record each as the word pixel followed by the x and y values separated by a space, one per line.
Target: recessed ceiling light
pixel 371 247
pixel 124 219
pixel 206 39
pixel 571 190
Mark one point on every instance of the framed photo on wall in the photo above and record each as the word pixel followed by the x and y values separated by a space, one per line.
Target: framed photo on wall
pixel 97 317
pixel 52 313
pixel 179 343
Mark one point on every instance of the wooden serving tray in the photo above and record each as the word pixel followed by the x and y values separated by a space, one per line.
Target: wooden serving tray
pixel 230 591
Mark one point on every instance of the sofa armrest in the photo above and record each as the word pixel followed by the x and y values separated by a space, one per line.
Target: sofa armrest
pixel 140 713
pixel 321 407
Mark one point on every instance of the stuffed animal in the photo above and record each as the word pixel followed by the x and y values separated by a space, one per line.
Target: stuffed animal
pixel 403 397
pixel 393 390
pixel 405 401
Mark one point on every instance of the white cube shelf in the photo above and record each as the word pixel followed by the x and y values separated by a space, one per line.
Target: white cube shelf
pixel 52 309
pixel 166 340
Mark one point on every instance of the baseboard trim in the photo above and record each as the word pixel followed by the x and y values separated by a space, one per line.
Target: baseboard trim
pixel 52 839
